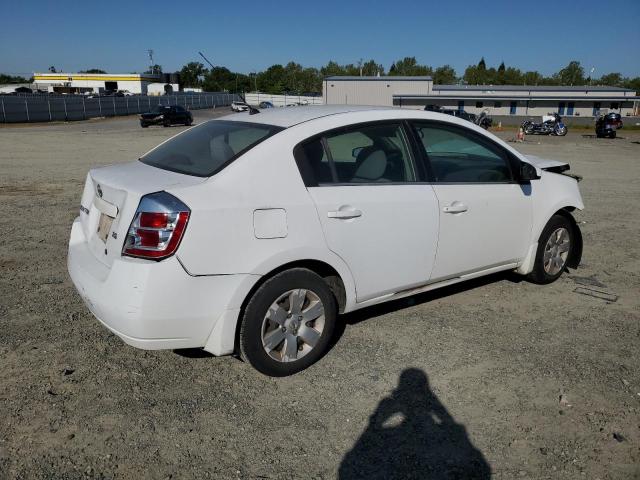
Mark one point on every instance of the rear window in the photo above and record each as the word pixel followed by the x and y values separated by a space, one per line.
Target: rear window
pixel 206 149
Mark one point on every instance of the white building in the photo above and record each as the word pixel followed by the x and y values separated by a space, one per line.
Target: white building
pixel 99 82
pixel 418 92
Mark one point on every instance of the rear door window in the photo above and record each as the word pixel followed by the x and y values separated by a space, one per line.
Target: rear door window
pixel 372 154
pixel 206 149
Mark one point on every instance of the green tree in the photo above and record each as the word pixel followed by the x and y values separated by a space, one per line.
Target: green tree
pixel 191 73
pixel 372 69
pixel 331 69
pixel 410 67
pixel 444 75
pixel 273 79
pixel 572 74
pixel 613 79
pixel 633 84
pixel 482 64
pixel 472 75
pixel 13 79
pixel 154 69
pixel 532 78
pixel 93 70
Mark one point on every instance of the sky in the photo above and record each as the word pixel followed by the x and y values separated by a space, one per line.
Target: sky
pixel 251 35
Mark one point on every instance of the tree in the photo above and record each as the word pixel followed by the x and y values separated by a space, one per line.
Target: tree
pixel 482 65
pixel 93 70
pixel 154 69
pixel 472 75
pixel 409 66
pixel 12 79
pixel 633 84
pixel 572 74
pixel 532 78
pixel 444 75
pixel 372 69
pixel 501 68
pixel 191 73
pixel 612 80
pixel 331 69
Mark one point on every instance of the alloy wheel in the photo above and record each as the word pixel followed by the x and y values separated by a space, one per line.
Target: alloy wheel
pixel 293 325
pixel 556 251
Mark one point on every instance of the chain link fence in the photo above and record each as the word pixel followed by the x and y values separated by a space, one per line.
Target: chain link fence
pixel 52 108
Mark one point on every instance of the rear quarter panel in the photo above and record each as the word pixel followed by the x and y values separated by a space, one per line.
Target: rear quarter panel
pixel 220 238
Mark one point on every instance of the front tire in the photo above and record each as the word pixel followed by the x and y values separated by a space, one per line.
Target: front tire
pixel 555 248
pixel 288 323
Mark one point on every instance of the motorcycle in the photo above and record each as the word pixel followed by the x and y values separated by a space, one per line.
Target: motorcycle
pixel 607 125
pixel 484 120
pixel 551 125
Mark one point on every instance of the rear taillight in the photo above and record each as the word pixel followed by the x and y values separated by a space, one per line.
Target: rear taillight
pixel 157 227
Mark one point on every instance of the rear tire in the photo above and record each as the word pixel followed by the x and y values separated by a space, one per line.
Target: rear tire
pixel 288 323
pixel 612 135
pixel 555 248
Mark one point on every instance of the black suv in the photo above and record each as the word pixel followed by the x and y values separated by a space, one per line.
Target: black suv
pixel 166 116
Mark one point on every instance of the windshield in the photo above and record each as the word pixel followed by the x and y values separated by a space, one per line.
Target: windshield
pixel 206 149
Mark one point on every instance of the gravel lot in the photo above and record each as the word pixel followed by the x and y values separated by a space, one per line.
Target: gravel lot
pixel 519 380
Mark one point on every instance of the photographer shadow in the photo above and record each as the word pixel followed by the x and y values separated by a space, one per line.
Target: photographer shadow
pixel 411 435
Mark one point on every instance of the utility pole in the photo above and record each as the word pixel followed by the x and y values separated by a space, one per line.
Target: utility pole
pixel 150 53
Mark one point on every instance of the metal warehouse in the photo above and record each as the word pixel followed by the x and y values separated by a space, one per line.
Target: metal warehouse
pixel 418 92
pixel 96 82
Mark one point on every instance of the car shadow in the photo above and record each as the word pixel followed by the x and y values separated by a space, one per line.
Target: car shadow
pixel 353 318
pixel 411 435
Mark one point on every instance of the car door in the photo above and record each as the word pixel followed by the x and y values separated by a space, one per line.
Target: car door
pixel 181 114
pixel 485 214
pixel 374 212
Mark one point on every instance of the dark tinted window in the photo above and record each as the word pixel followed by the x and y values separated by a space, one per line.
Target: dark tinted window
pixel 207 148
pixel 458 155
pixel 368 154
pixel 179 109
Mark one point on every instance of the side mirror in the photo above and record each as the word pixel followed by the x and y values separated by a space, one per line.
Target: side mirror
pixel 356 151
pixel 528 172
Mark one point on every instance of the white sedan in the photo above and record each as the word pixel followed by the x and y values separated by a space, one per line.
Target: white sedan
pixel 239 106
pixel 252 233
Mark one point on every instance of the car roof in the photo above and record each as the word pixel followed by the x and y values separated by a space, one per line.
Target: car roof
pixel 289 116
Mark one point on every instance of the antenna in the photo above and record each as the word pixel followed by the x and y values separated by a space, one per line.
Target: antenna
pixel 252 110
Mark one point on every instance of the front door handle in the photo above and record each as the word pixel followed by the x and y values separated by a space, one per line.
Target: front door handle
pixel 455 207
pixel 344 214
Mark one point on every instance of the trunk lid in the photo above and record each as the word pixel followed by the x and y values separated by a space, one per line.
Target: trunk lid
pixel 110 199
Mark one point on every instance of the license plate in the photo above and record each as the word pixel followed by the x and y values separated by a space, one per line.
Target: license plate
pixel 104 227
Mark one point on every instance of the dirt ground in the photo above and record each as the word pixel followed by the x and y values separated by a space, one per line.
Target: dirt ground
pixel 512 379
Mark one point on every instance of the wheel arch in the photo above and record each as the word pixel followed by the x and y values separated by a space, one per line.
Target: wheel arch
pixel 576 255
pixel 576 252
pixel 326 271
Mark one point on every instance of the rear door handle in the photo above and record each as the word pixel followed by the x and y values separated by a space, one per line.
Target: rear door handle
pixel 344 214
pixel 455 207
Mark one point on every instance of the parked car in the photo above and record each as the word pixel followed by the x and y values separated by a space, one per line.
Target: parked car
pixel 166 116
pixel 608 124
pixel 252 233
pixel 239 106
pixel 265 105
